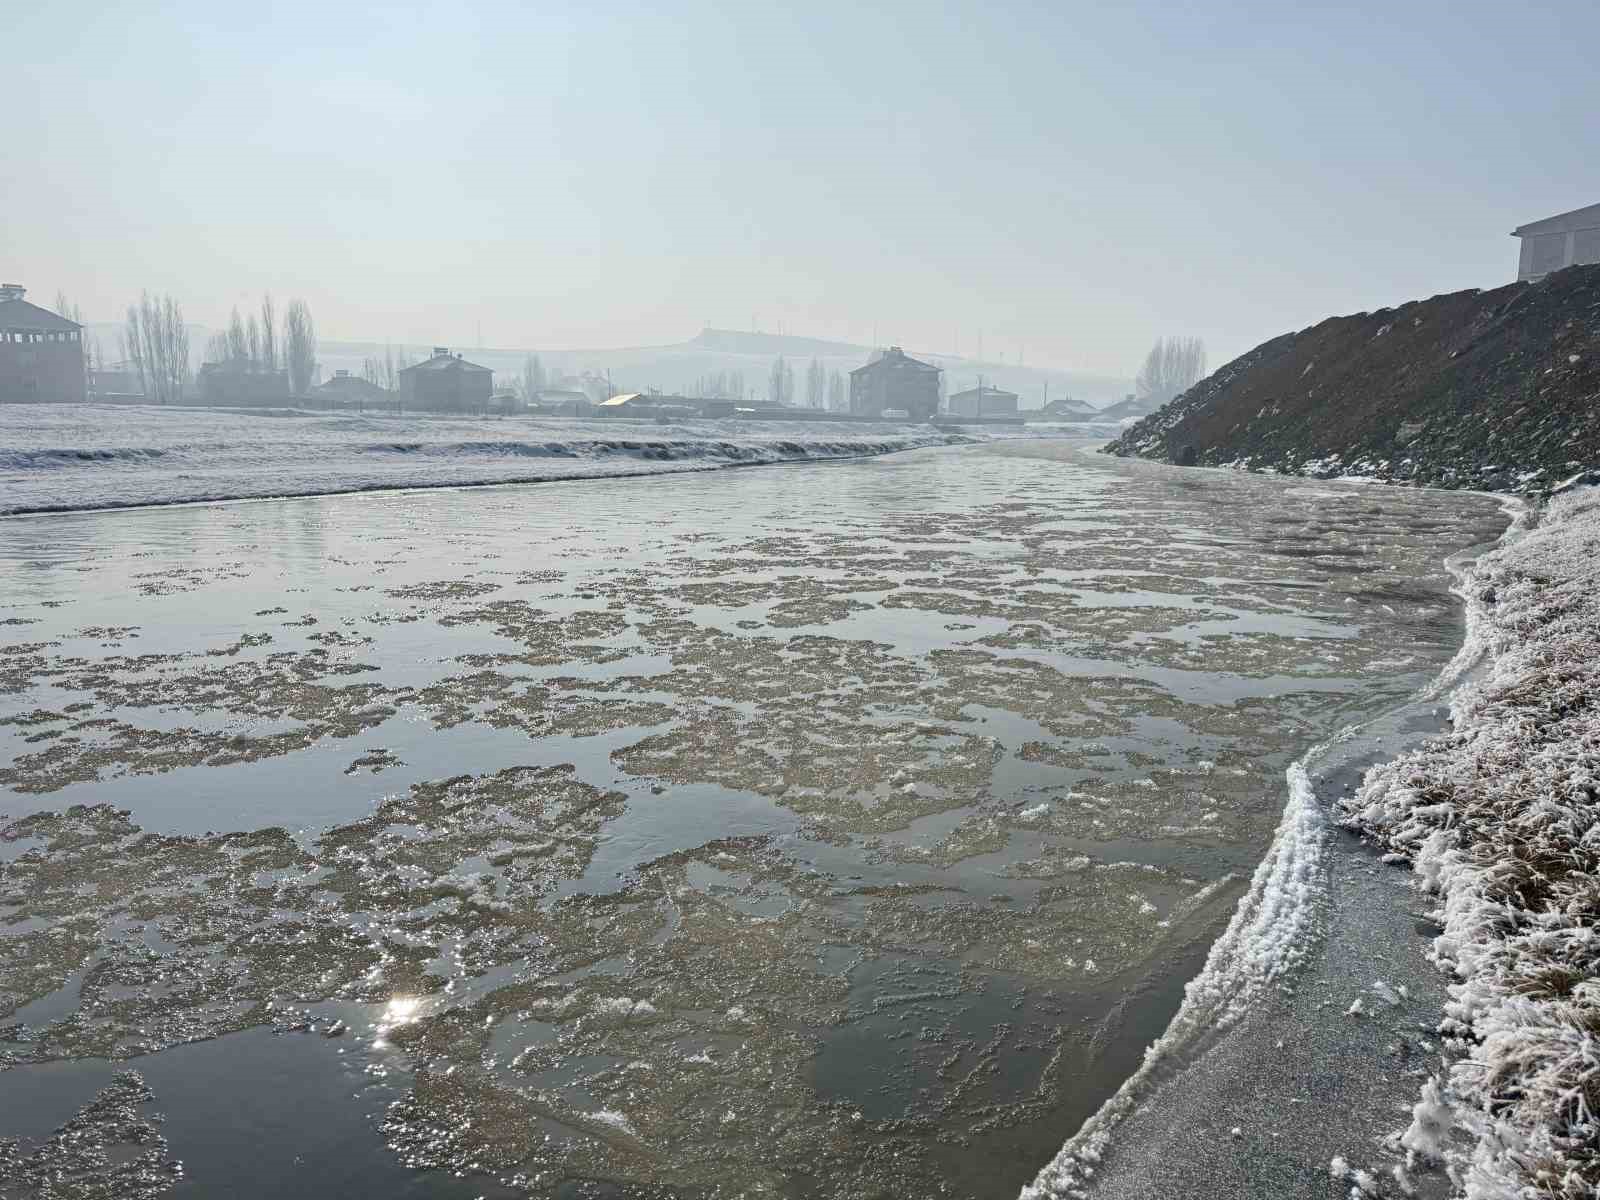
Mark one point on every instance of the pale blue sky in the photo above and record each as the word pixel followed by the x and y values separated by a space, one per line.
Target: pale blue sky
pixel 1071 179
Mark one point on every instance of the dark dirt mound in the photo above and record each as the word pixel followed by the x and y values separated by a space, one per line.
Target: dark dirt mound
pixel 1497 390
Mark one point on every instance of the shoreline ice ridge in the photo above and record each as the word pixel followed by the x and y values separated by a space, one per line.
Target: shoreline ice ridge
pixel 1271 930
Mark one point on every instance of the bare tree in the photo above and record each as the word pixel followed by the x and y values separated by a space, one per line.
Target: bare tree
pixel 816 384
pixel 238 339
pixel 838 399
pixel 156 341
pixel 1173 366
pixel 780 383
pixel 532 378
pixel 299 346
pixel 216 348
pixel 269 334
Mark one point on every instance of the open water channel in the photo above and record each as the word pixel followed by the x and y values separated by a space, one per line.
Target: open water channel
pixel 812 831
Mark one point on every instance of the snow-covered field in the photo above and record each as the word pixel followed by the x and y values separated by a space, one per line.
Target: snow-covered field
pixel 60 457
pixel 1501 821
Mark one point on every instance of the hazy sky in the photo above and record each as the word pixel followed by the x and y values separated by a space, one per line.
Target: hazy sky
pixel 1072 179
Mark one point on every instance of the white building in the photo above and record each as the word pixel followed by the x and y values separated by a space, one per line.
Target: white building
pixel 1567 240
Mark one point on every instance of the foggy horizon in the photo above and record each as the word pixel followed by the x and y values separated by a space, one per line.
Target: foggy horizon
pixel 1069 185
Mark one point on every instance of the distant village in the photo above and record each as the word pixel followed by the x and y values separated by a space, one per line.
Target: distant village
pixel 47 358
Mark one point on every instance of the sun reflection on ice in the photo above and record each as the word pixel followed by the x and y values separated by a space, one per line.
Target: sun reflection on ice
pixel 399 1011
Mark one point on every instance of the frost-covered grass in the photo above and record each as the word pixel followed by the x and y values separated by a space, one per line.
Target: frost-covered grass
pixel 1501 821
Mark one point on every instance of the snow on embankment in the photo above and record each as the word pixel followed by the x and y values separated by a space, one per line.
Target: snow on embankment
pixel 61 457
pixel 1501 821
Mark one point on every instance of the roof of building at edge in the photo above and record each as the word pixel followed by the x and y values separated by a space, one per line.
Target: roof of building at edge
pixel 894 357
pixel 19 315
pixel 445 361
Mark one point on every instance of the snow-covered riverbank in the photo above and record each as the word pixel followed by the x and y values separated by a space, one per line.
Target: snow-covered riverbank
pixel 1501 821
pixel 58 457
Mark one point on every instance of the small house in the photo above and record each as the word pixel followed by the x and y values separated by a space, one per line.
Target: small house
pixel 985 400
pixel 345 390
pixel 562 402
pixel 240 383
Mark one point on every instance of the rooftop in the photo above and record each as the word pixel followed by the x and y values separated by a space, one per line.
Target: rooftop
pixel 443 360
pixel 894 357
pixel 18 315
pixel 1579 218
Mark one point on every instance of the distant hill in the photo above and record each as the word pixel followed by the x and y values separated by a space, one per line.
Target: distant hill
pixel 731 341
pixel 1497 390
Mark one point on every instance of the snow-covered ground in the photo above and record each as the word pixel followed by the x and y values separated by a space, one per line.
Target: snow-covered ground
pixel 1501 821
pixel 60 457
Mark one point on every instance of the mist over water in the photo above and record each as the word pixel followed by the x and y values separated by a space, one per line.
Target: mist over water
pixel 828 829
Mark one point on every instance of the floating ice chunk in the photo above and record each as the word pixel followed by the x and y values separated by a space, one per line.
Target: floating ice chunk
pixel 1034 813
pixel 1386 993
pixel 613 1118
pixel 622 1007
pixel 1357 1009
pixel 1338 1167
pixel 1431 1118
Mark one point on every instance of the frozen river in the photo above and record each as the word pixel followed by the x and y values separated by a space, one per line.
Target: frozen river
pixel 823 830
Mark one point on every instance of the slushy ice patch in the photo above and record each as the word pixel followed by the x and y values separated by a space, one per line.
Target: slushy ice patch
pixel 813 850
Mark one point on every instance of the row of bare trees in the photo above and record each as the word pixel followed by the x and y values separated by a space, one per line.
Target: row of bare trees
pixel 824 388
pixel 256 343
pixel 385 371
pixel 727 385
pixel 1173 366
pixel 155 343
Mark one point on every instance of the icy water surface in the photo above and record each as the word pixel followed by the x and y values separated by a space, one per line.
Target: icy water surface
pixel 829 830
